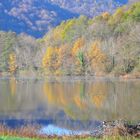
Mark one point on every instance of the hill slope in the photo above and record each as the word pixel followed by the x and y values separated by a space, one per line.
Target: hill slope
pixel 36 17
pixel 31 16
pixel 89 8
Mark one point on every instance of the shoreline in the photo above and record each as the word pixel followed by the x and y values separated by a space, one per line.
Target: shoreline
pixel 110 129
pixel 73 77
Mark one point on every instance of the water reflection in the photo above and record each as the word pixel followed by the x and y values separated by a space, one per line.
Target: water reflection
pixel 12 83
pixel 69 101
pixel 76 98
pixel 54 130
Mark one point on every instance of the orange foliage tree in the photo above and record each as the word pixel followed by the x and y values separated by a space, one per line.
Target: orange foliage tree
pixel 79 43
pixel 96 57
pixel 105 15
pixel 78 55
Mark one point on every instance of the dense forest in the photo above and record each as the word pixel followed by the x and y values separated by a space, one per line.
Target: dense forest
pixel 108 44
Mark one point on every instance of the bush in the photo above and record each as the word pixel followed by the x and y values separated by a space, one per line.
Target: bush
pixel 119 70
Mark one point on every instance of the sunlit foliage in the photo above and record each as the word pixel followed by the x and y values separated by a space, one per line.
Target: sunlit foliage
pixel 79 43
pixel 96 56
pixel 106 15
pixel 52 59
pixel 12 63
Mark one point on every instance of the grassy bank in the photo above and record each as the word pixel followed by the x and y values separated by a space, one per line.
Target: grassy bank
pixel 68 138
pixel 111 131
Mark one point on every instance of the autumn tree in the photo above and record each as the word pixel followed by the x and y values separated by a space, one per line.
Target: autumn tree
pixel 51 60
pixel 105 15
pixel 96 57
pixel 12 63
pixel 78 54
pixel 47 57
pixel 117 16
pixel 79 43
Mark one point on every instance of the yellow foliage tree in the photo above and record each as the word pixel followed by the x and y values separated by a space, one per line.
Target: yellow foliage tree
pixel 12 63
pixel 47 57
pixel 78 55
pixel 79 43
pixel 57 33
pixel 51 60
pixel 66 27
pixel 119 13
pixel 96 56
pixel 116 16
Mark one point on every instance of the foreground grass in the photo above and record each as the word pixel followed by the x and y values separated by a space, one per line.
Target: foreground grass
pixel 66 138
pixel 120 131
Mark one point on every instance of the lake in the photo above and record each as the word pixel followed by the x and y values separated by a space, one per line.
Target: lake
pixel 68 105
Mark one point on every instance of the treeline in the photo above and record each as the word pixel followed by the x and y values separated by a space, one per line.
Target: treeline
pixel 106 44
pixel 17 52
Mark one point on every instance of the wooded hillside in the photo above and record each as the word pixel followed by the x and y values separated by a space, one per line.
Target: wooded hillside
pixel 106 44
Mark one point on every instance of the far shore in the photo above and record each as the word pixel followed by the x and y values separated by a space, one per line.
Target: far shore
pixel 33 75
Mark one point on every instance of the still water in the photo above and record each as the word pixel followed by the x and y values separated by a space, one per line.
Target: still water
pixel 68 105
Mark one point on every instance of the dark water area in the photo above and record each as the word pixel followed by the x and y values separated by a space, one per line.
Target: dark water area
pixel 68 105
